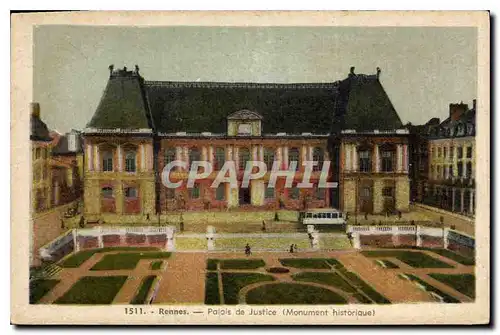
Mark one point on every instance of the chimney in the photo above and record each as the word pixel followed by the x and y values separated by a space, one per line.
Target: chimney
pixel 35 109
pixel 457 110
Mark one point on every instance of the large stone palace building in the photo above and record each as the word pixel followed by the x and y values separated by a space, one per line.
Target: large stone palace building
pixel 140 126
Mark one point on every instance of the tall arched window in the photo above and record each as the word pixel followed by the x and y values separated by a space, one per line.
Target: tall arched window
pixel 169 155
pixel 365 158
pixel 269 158
pixel 130 161
pixel 244 158
pixel 294 156
pixel 107 161
pixel 319 157
pixel 107 192
pixel 388 155
pixel 194 155
pixel 220 158
pixel 130 192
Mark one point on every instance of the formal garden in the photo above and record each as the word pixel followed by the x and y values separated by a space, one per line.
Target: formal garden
pixel 297 281
pixel 103 289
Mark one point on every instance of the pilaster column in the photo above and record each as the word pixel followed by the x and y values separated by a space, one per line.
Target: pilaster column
pixel 347 150
pixel 90 156
pixel 229 153
pixel 204 154
pixel 255 153
pixel 405 157
pixel 178 155
pixel 303 155
pixel 261 153
pixel 185 152
pixel 97 161
pixel 279 156
pixel 377 158
pixel 453 199
pixel 471 205
pixel 143 157
pixel 310 152
pixel 462 204
pixel 285 157
pixel 120 158
pixel 399 155
pixel 211 154
pixel 236 156
pixel 355 157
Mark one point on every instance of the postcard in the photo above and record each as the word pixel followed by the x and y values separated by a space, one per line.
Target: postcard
pixel 250 168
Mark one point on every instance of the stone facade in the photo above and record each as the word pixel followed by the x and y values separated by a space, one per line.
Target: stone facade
pixel 139 127
pixel 119 176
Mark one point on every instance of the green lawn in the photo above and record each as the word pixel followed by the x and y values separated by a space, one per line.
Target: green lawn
pixel 241 264
pixel 291 293
pixel 463 283
pixel 156 265
pixel 40 287
pixel 142 292
pixel 77 259
pixel 331 279
pixel 447 298
pixel 212 264
pixel 126 261
pixel 93 290
pixel 212 289
pixel 232 283
pixel 388 264
pixel 412 258
pixel 308 263
pixel 454 256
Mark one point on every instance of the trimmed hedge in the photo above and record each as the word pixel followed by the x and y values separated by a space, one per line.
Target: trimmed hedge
pixel 143 291
pixel 212 289
pixel 40 287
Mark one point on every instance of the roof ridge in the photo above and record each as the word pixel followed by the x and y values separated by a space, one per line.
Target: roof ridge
pixel 216 84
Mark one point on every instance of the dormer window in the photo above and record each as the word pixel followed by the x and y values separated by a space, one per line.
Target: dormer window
pixel 244 123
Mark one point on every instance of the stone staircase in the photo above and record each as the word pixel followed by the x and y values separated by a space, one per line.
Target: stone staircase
pixel 46 271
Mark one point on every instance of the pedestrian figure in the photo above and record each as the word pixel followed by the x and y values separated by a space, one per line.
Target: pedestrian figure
pixel 248 250
pixel 147 217
pixel 291 248
pixel 366 216
pixel 295 248
pixel 63 226
pixel 263 225
pixel 399 215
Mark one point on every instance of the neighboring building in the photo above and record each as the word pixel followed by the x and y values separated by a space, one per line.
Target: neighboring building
pixel 41 146
pixel 55 165
pixel 139 126
pixel 452 161
pixel 67 167
pixel 419 158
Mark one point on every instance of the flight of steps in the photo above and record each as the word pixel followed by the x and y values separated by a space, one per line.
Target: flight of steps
pixel 47 271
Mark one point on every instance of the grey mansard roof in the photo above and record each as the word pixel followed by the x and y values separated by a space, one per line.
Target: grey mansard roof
pixel 358 102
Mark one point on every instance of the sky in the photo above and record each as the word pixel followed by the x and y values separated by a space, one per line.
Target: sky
pixel 423 69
